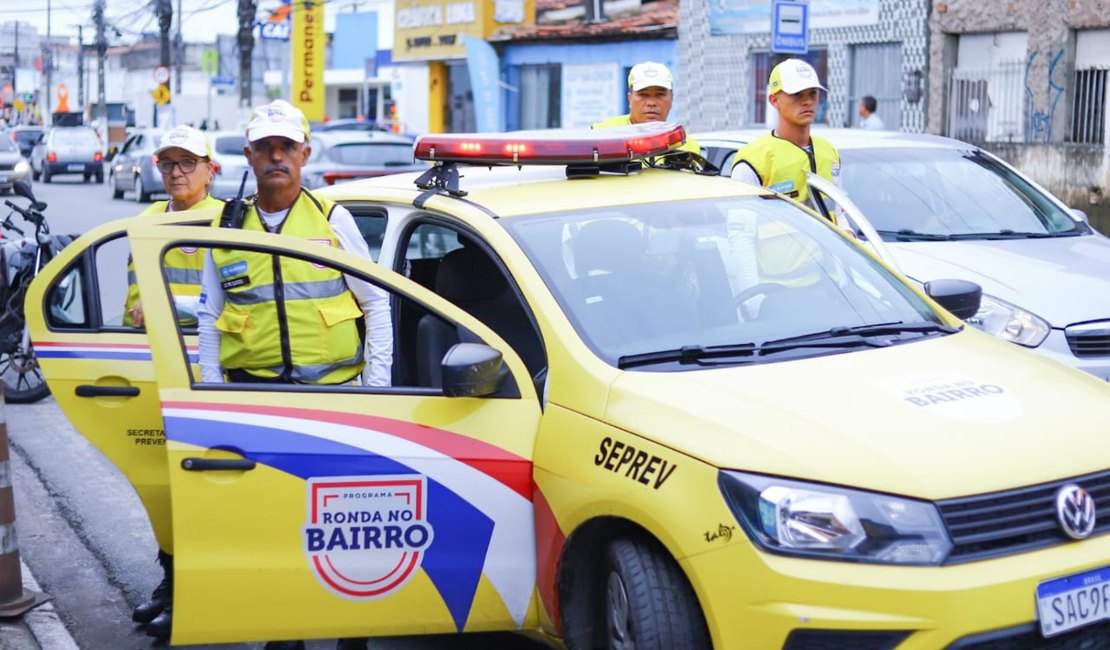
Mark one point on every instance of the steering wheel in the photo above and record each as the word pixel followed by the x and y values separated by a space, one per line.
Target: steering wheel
pixel 761 289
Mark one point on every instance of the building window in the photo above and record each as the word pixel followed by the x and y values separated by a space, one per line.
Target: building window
pixel 348 102
pixel 459 111
pixel 986 89
pixel 763 62
pixel 1088 111
pixel 539 97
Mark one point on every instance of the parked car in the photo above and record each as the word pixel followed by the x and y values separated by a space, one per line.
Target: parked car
pixel 347 124
pixel 13 167
pixel 945 208
pixel 347 155
pixel 590 434
pixel 133 169
pixel 68 150
pixel 227 152
pixel 25 137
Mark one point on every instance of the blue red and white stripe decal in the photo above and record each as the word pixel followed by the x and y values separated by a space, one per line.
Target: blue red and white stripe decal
pixel 96 351
pixel 479 495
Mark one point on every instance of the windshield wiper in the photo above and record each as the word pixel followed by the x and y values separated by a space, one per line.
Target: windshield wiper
pixel 835 337
pixel 906 234
pixel 1006 233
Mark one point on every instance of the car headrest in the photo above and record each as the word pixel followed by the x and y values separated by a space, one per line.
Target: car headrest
pixel 468 274
pixel 609 245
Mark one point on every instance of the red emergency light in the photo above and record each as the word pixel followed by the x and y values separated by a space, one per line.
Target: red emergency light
pixel 552 147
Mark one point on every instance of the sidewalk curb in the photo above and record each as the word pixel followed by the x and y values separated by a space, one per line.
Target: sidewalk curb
pixel 49 631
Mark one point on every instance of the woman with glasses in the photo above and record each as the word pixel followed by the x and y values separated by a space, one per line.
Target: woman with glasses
pixel 185 161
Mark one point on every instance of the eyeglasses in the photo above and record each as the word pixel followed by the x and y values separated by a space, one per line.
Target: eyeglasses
pixel 187 165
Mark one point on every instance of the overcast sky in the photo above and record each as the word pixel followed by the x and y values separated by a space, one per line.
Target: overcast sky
pixel 203 19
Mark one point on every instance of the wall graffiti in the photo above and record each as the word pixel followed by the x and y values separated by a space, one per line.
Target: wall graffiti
pixel 1041 118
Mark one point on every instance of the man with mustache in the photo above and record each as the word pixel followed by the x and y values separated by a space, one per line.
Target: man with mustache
pixel 650 96
pixel 780 158
pixel 267 319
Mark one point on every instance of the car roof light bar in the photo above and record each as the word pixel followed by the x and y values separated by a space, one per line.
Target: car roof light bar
pixel 552 147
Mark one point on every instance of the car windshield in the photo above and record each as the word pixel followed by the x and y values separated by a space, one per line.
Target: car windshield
pixel 709 275
pixel 76 137
pixel 367 153
pixel 7 145
pixel 231 145
pixel 946 192
pixel 27 136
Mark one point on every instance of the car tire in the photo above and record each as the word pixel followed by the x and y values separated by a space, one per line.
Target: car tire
pixel 34 174
pixel 100 178
pixel 141 195
pixel 85 178
pixel 113 185
pixel 45 174
pixel 649 603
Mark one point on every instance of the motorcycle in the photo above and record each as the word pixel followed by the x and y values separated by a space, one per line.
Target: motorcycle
pixel 20 261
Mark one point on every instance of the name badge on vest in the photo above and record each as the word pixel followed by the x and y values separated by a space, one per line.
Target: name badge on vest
pixel 235 275
pixel 785 187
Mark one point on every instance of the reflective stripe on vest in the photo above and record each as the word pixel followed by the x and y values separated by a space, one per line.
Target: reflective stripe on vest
pixel 782 165
pixel 285 317
pixel 183 268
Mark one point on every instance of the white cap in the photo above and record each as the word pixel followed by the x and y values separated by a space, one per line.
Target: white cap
pixel 278 119
pixel 793 76
pixel 648 74
pixel 187 138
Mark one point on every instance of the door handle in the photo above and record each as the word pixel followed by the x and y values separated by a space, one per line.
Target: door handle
pixel 107 391
pixel 205 464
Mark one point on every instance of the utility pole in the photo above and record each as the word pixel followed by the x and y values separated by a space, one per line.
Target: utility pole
pixel 179 48
pixel 247 10
pixel 101 50
pixel 48 64
pixel 80 69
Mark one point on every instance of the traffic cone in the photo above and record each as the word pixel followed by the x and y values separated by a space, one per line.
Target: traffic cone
pixel 14 599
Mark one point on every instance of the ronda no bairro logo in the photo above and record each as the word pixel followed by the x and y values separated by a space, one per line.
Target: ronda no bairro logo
pixel 365 537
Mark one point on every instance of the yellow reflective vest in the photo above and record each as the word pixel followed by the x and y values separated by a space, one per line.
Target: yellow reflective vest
pixel 690 145
pixel 288 318
pixel 182 266
pixel 781 165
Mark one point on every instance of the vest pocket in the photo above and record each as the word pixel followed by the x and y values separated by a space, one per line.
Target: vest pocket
pixel 339 338
pixel 232 322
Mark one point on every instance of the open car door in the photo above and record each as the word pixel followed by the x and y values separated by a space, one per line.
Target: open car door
pixel 100 371
pixel 308 511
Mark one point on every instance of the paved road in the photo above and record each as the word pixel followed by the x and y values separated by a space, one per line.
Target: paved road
pixel 81 528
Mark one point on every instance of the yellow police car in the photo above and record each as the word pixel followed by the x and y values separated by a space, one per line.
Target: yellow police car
pixel 631 407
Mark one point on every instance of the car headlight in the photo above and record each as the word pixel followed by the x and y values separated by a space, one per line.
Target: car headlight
pixel 834 523
pixel 1009 322
pixel 22 167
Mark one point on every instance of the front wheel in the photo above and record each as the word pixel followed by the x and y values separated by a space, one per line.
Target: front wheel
pixel 649 604
pixel 22 377
pixel 141 195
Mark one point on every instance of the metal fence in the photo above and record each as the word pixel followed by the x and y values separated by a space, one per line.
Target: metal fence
pixel 987 105
pixel 1088 110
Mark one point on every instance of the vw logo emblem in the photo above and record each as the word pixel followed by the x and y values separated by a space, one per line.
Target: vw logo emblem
pixel 1075 510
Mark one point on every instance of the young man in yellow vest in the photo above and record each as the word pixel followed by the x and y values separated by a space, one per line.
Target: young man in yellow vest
pixel 780 159
pixel 650 96
pixel 185 161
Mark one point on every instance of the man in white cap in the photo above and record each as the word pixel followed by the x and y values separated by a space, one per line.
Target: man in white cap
pixel 779 160
pixel 650 96
pixel 271 350
pixel 185 161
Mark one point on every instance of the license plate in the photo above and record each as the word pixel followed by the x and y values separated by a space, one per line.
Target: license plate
pixel 1067 603
pixel 76 168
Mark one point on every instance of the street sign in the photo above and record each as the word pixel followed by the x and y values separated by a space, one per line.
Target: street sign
pixel 789 27
pixel 210 61
pixel 161 94
pixel 225 80
pixel 273 31
pixel 161 75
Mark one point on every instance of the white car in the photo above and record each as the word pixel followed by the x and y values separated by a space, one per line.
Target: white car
pixel 947 209
pixel 227 153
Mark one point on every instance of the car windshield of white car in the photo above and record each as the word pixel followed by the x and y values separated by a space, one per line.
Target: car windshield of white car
pixel 384 155
pixel 76 137
pixel 231 145
pixel 733 272
pixel 920 194
pixel 7 145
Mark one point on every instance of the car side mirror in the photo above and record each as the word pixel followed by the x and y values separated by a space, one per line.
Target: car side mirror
pixel 472 370
pixel 1080 215
pixel 960 297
